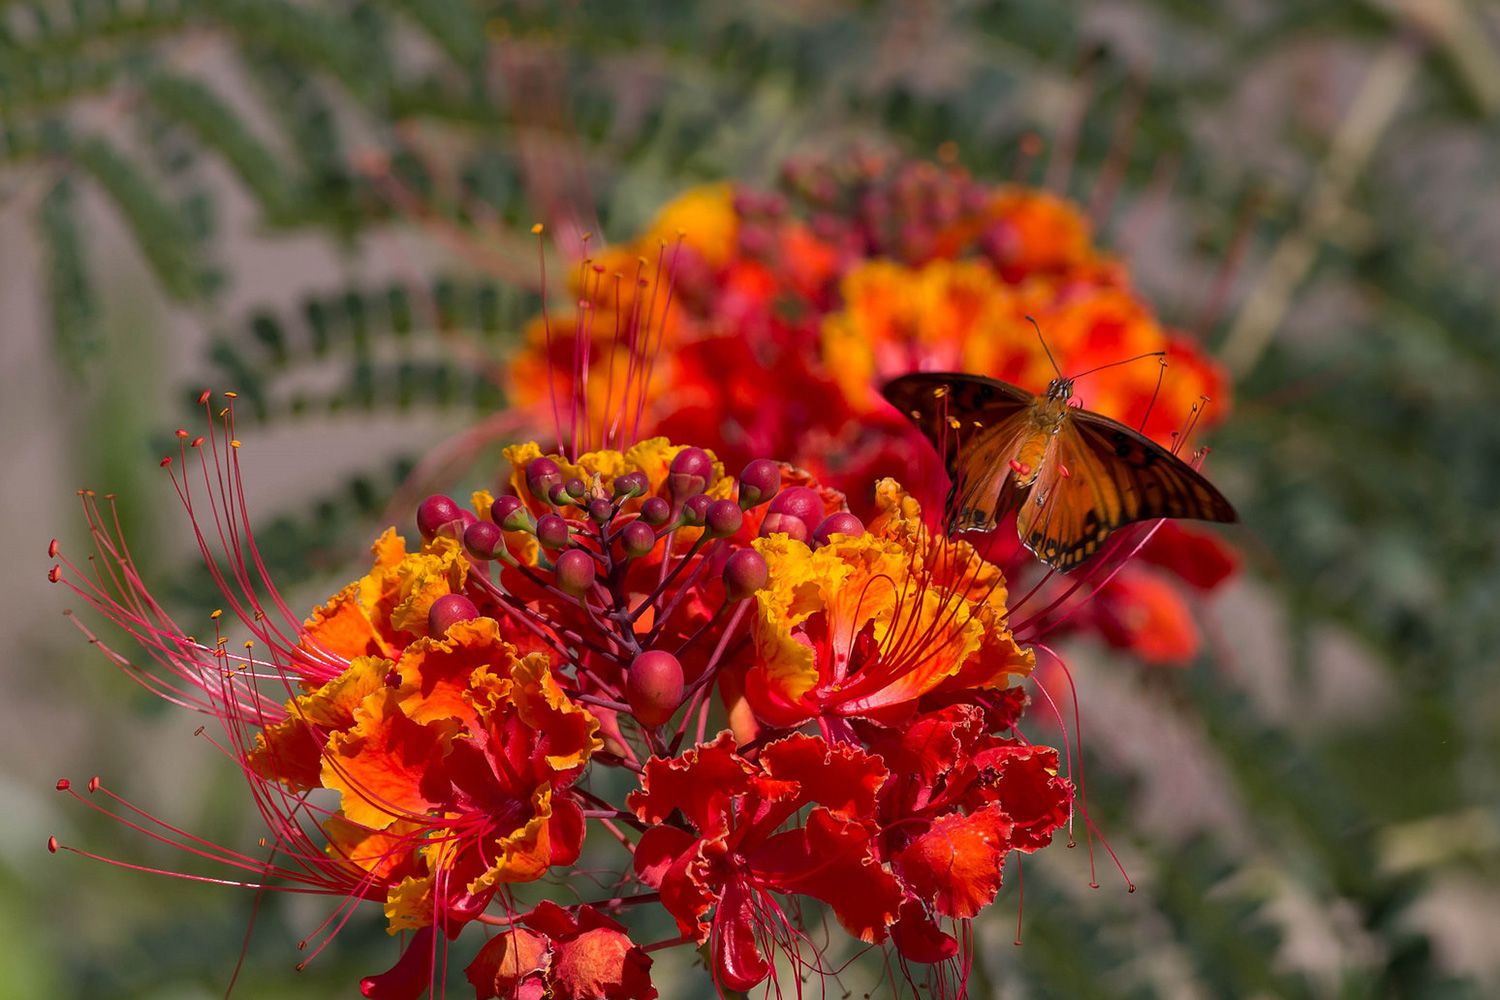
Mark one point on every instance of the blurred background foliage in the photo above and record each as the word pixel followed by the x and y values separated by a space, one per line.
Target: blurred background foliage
pixel 325 206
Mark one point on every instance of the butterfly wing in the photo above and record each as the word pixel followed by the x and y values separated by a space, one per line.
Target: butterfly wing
pixel 978 425
pixel 1099 475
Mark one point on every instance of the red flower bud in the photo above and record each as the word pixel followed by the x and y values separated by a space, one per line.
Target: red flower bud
pixel 510 513
pixel 800 502
pixel 434 512
pixel 690 471
pixel 575 571
pixel 696 509
pixel 653 686
pixel 448 610
pixel 787 523
pixel 631 484
pixel 723 518
pixel 541 475
pixel 745 572
pixel 760 481
pixel 656 511
pixel 552 531
pixel 637 539
pixel 482 538
pixel 841 523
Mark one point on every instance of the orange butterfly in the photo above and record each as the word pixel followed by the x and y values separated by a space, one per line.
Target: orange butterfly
pixel 1071 475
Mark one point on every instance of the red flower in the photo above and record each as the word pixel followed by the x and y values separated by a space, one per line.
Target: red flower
pixel 731 856
pixel 562 954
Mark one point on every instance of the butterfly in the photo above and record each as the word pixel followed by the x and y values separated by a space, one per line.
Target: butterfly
pixel 1071 475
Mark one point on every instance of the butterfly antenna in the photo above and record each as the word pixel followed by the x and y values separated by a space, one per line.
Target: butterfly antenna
pixel 1154 393
pixel 1039 336
pixel 1114 364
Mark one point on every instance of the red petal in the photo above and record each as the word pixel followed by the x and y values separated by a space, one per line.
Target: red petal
pixel 658 850
pixel 1200 557
pixel 832 859
pixel 918 937
pixel 700 783
pixel 409 978
pixel 842 777
pixel 565 831
pixel 958 862
pixel 738 963
pixel 1028 791
pixel 1142 611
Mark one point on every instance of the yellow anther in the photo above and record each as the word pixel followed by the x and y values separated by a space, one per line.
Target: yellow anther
pixel 231 395
pixel 940 392
pixel 536 229
pixel 234 443
pixel 953 422
pixel 219 613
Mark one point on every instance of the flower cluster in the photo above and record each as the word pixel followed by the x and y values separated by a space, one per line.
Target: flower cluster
pixel 792 308
pixel 744 694
pixel 631 699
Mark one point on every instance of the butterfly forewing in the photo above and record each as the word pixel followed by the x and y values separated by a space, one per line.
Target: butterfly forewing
pixel 977 424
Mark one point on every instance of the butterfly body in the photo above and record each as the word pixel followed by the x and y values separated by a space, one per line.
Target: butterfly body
pixel 1071 475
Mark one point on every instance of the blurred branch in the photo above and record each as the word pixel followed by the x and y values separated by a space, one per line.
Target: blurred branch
pixel 1325 208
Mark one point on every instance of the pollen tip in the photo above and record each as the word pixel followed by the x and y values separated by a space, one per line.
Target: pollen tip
pixel 197 442
pixel 166 461
pixel 63 784
pixel 94 784
pixel 536 229
pixel 204 395
pixel 182 432
pixel 234 443
pixel 217 614
pixel 51 845
pixel 54 574
pixel 231 395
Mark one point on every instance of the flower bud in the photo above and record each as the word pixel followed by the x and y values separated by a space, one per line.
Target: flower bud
pixel 449 610
pixel 631 484
pixel 482 538
pixel 723 518
pixel 760 481
pixel 801 502
pixel 696 509
pixel 601 511
pixel 656 511
pixel 552 531
pixel 434 512
pixel 690 471
pixel 653 686
pixel 637 539
pixel 541 475
pixel 745 572
pixel 576 487
pixel 511 514
pixel 786 524
pixel 841 523
pixel 575 572
pixel 558 495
